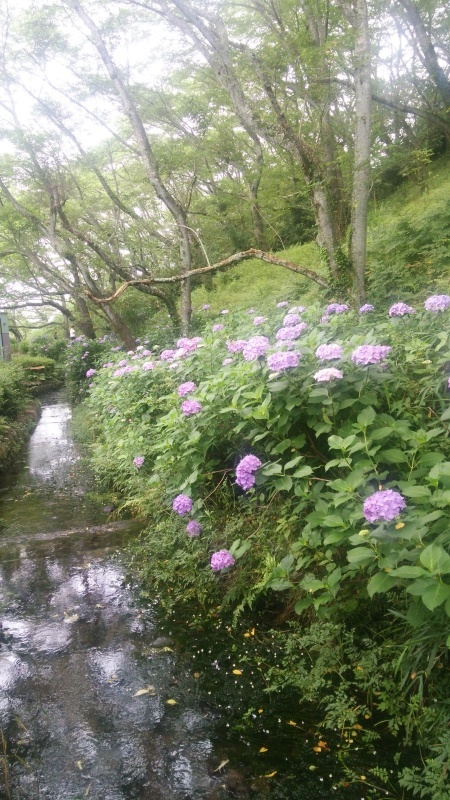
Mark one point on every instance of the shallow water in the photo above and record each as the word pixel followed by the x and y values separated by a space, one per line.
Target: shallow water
pixel 72 642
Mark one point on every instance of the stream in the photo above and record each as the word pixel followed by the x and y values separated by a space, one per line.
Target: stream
pixel 95 700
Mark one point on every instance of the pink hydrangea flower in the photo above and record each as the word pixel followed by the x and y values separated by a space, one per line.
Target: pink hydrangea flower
pixel 221 560
pixel 383 506
pixel 326 375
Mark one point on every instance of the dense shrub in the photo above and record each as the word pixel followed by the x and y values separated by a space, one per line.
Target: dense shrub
pixel 48 346
pixel 40 372
pixel 341 513
pixel 14 394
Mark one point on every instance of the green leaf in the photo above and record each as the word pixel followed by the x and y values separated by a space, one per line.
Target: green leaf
pixel 360 554
pixel 440 471
pixel 279 585
pixel 336 536
pixel 302 605
pixel 333 521
pixel 293 462
pixel 408 572
pixel 302 472
pixel 381 433
pixel 271 469
pixel 393 456
pixel 435 595
pixel 284 484
pixel 366 417
pixel 380 582
pixel 435 559
pixel 416 491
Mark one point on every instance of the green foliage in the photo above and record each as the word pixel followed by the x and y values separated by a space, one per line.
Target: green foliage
pixel 14 394
pixel 82 355
pixel 46 346
pixel 302 545
pixel 40 372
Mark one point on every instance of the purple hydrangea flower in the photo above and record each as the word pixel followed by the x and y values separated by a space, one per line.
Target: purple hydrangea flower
pixel 384 506
pixel 146 353
pixel 325 318
pixel 278 362
pixel 168 355
pixel 206 307
pixel 250 310
pixel 244 471
pixel 188 345
pixel 437 302
pixel 122 363
pixel 282 304
pixel 227 361
pixel 367 354
pixel 236 346
pixel 193 528
pixel 290 333
pixel 366 308
pixel 297 310
pixel 221 560
pixel 182 504
pixel 147 365
pixel 329 374
pixel 217 327
pixel 186 388
pixel 138 461
pixel 225 311
pixel 259 320
pixel 291 319
pixel 190 407
pixel 255 347
pixel 90 373
pixel 328 352
pixel 336 308
pixel 400 310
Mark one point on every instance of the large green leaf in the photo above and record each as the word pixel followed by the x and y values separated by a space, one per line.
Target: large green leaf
pixel 435 595
pixel 435 559
pixel 380 582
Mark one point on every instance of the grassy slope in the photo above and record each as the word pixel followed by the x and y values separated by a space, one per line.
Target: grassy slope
pixel 253 283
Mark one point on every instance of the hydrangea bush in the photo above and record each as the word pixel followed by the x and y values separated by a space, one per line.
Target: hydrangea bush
pixel 327 486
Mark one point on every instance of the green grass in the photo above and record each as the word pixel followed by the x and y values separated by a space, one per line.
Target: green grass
pixel 407 254
pixel 253 283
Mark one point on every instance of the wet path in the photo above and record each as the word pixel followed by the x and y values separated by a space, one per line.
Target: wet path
pixel 74 650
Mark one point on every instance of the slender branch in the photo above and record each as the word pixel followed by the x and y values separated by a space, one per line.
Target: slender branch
pixel 227 262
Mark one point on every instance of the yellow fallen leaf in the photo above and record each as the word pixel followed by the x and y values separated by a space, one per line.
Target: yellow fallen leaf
pixel 171 702
pixel 317 749
pixel 363 777
pixel 291 722
pixel 271 774
pixel 196 674
pixel 71 618
pixel 79 765
pixel 260 710
pixel 88 790
pixel 357 727
pixel 399 525
pixel 237 672
pixel 263 749
pixel 144 691
pixel 247 635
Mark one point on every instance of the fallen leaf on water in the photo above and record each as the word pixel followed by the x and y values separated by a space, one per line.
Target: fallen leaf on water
pixel 317 749
pixel 291 722
pixel 71 618
pixel 222 765
pixel 88 790
pixel 79 765
pixel 260 710
pixel 196 674
pixel 171 702
pixel 270 775
pixel 357 727
pixel 144 691
pixel 263 749
pixel 99 605
pixel 323 745
pixel 237 672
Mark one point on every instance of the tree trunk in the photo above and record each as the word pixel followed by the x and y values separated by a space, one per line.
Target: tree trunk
pixel 120 327
pixel 361 166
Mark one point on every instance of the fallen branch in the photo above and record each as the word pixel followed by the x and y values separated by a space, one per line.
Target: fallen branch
pixel 227 262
